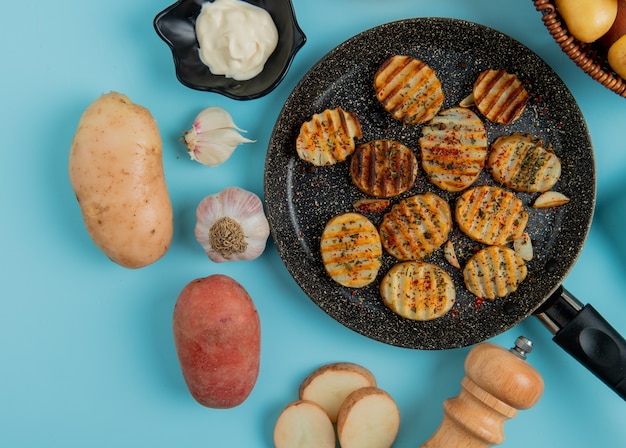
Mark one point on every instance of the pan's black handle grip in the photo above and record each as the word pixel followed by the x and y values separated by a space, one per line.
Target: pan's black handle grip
pixel 588 337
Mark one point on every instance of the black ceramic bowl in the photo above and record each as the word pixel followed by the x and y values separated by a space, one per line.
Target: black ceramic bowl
pixel 176 26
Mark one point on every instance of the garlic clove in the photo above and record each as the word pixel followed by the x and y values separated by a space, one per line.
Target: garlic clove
pixel 213 137
pixel 231 225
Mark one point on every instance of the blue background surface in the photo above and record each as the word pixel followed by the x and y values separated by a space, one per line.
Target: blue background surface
pixel 87 356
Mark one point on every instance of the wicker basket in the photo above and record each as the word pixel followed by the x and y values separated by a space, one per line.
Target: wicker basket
pixel 590 57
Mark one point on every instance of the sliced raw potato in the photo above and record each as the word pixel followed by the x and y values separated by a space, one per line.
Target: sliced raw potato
pixel 330 384
pixel 417 290
pixel 450 255
pixel 304 424
pixel 454 148
pixel 524 247
pixel 368 418
pixel 491 215
pixel 493 272
pixel 523 163
pixel 550 199
pixel 328 137
pixel 351 250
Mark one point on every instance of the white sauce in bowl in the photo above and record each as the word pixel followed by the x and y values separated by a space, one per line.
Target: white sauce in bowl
pixel 236 38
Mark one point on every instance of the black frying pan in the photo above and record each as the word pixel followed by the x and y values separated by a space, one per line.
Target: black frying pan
pixel 300 198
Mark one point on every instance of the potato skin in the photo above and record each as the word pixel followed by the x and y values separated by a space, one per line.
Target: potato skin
pixel 116 172
pixel 217 335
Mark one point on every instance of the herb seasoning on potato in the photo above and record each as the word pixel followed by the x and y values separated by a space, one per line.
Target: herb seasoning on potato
pixel 116 172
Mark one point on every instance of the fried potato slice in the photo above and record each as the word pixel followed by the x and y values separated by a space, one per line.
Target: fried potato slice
pixel 383 168
pixel 454 148
pixel 500 96
pixel 522 163
pixel 408 89
pixel 351 250
pixel 491 215
pixel 416 226
pixel 417 290
pixel 328 137
pixel 493 272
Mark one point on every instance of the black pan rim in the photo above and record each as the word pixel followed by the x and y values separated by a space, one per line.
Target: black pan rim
pixel 459 50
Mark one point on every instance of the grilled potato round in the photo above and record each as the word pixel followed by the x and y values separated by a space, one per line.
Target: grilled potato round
pixel 491 215
pixel 454 148
pixel 493 272
pixel 351 250
pixel 328 137
pixel 500 96
pixel 417 290
pixel 522 163
pixel 408 89
pixel 416 227
pixel 383 168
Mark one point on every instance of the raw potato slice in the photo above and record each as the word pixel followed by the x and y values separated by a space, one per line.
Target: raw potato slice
pixel 351 250
pixel 383 168
pixel 493 272
pixel 522 163
pixel 416 227
pixel 368 418
pixel 491 215
pixel 418 291
pixel 408 89
pixel 500 96
pixel 328 137
pixel 330 384
pixel 454 149
pixel 550 199
pixel 304 424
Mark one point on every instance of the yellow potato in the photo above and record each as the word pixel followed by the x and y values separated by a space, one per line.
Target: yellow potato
pixel 587 20
pixel 116 172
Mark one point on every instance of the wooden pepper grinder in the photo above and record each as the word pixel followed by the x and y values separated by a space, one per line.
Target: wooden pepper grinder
pixel 497 384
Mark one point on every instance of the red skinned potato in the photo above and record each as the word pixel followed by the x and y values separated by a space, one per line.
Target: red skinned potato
pixel 217 335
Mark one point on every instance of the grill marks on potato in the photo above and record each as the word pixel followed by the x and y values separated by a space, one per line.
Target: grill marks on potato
pixel 493 272
pixel 328 137
pixel 418 291
pixel 491 215
pixel 351 250
pixel 523 164
pixel 383 168
pixel 416 227
pixel 408 89
pixel 500 96
pixel 454 148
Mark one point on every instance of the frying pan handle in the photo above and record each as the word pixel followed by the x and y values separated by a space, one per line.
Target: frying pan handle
pixel 587 336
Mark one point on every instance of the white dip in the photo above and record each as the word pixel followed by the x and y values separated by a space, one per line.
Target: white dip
pixel 236 38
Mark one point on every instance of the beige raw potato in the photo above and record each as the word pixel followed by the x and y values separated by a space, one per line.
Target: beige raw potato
pixel 304 424
pixel 368 418
pixel 116 172
pixel 330 384
pixel 587 20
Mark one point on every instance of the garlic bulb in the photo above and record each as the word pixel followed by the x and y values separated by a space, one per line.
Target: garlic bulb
pixel 213 137
pixel 231 225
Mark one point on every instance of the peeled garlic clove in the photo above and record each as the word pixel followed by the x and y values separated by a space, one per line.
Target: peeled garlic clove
pixel 450 255
pixel 213 137
pixel 468 101
pixel 550 199
pixel 524 247
pixel 231 225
